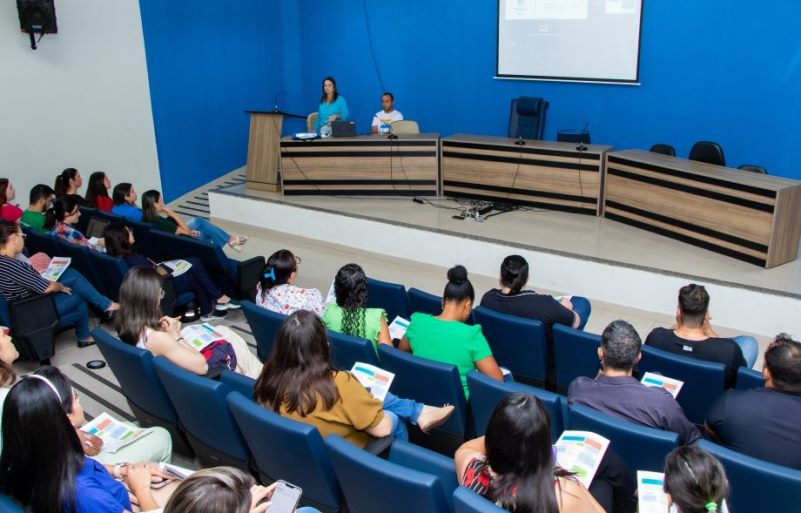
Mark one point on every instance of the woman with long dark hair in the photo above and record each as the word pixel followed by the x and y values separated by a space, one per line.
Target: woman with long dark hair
pixel 71 293
pixel 141 323
pixel 213 302
pixel 513 465
pixel 276 290
pixel 153 208
pixel 68 183
pixel 97 192
pixel 332 107
pixel 43 466
pixel 695 481
pixel 447 338
pixel 59 221
pixel 299 382
pixel 8 211
pixel 124 199
pixel 350 314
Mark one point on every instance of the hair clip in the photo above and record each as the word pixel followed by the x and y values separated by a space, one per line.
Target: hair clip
pixel 711 506
pixel 270 274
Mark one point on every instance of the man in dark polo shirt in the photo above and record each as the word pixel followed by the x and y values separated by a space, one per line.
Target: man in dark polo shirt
pixel 765 422
pixel 616 393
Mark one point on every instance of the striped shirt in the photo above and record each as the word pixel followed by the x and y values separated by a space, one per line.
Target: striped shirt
pixel 18 280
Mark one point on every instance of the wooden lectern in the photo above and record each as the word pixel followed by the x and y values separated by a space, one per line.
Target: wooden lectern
pixel 264 148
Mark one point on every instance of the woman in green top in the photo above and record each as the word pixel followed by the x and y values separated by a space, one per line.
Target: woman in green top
pixel 349 315
pixel 446 338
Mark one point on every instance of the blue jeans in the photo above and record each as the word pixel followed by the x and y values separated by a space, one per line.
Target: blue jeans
pixel 400 410
pixel 197 281
pixel 82 292
pixel 582 306
pixel 209 232
pixel 749 347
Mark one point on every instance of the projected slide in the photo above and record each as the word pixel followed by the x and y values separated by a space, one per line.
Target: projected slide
pixel 591 40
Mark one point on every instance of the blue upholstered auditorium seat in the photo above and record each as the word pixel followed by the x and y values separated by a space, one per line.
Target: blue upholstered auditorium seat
pixel 575 354
pixel 392 297
pixel 264 324
pixel 347 350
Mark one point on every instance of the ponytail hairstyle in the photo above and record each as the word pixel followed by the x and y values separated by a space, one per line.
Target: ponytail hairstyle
pixel 62 184
pixel 277 270
pixel 350 287
pixel 120 191
pixel 695 480
pixel 61 208
pixel 514 273
pixel 96 188
pixel 459 287
pixel 149 200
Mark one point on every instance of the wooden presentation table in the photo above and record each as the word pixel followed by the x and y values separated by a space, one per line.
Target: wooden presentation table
pixel 741 214
pixel 362 165
pixel 541 173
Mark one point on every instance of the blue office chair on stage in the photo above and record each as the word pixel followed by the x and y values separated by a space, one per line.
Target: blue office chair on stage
pixel 527 117
pixel 392 297
pixel 575 354
pixel 264 324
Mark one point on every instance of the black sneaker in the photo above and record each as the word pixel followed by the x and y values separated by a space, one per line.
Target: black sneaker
pixel 214 315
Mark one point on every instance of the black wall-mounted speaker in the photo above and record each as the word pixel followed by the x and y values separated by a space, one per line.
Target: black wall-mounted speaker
pixel 37 16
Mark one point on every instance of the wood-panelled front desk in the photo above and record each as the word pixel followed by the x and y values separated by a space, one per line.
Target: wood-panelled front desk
pixel 744 215
pixel 366 165
pixel 540 173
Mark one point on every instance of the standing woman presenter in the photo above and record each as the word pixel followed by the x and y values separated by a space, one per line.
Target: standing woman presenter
pixel 333 106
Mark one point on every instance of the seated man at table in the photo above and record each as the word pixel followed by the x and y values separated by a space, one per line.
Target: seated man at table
pixel 387 115
pixel 616 393
pixel 763 422
pixel 694 337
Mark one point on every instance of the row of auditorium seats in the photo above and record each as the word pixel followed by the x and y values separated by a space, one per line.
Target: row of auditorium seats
pixel 706 151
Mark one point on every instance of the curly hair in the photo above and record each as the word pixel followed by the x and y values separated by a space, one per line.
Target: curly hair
pixel 350 287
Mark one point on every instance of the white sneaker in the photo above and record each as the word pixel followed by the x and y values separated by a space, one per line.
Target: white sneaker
pixel 230 305
pixel 215 315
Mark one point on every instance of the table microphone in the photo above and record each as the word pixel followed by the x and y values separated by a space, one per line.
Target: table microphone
pixel 275 100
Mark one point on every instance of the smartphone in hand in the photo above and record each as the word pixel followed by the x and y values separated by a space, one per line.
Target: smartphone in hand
pixel 285 498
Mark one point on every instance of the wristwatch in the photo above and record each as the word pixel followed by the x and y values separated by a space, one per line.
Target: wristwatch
pixel 117 468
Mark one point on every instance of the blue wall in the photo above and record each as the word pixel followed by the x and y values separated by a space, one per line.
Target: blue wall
pixel 207 62
pixel 723 70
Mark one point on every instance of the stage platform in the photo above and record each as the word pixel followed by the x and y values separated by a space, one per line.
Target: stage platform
pixel 588 255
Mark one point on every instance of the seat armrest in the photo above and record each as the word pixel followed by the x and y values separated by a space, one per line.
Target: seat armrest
pixel 379 446
pixel 33 315
pixel 248 273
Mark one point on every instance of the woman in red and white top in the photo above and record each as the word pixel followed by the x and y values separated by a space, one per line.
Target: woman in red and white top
pixel 513 465
pixel 276 290
pixel 8 211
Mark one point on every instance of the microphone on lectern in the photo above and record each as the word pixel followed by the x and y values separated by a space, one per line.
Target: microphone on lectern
pixel 275 100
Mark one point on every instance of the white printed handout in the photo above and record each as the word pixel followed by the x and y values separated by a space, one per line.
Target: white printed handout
pixel 200 336
pixel 115 434
pixel 177 267
pixel 398 328
pixel 375 380
pixel 581 452
pixel 176 472
pixel 56 268
pixel 331 298
pixel 673 386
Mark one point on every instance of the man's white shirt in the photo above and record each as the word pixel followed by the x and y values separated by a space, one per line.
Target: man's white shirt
pixel 383 119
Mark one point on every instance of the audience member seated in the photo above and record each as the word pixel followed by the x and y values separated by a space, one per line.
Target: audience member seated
pixel 333 106
pixel 446 338
pixel 276 290
pixel 695 481
pixel 513 465
pixel 693 335
pixel 350 315
pixel 615 392
pixel 68 183
pixel 511 299
pixel 140 323
pixel 34 217
pixel 60 218
pixel 171 222
pixel 8 211
pixel 213 303
pixel 19 280
pixel 299 382
pixel 765 422
pixel 43 466
pixel 222 489
pixel 124 198
pixel 8 355
pixel 97 192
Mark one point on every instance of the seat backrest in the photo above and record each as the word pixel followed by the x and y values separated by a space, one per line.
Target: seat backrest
pixel 5 313
pixel 753 168
pixel 392 297
pixel 264 324
pixel 285 449
pixel 703 381
pixel 749 378
pixel 781 485
pixel 133 368
pixel 81 262
pixel 404 126
pixel 664 149
pixel 575 354
pixel 368 481
pixel 347 350
pixel 486 393
pixel 201 406
pixel 466 500
pixel 9 505
pixel 238 383
pixel 111 271
pixel 709 152
pixel 517 343
pixel 427 382
pixel 527 117
pixel 39 242
pixel 311 120
pixel 642 448
pixel 409 455
pixel 141 233
pixel 423 302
